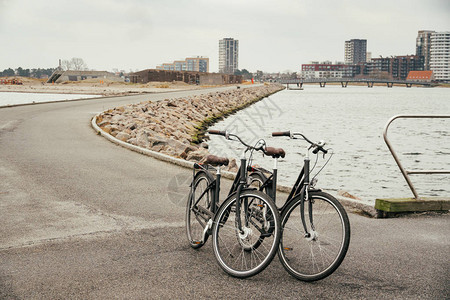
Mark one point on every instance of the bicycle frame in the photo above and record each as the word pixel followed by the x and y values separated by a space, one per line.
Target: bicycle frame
pixel 270 182
pixel 239 184
pixel 300 189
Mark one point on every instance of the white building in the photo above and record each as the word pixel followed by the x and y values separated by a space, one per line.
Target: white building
pixel 325 70
pixel 228 55
pixel 440 55
pixel 196 64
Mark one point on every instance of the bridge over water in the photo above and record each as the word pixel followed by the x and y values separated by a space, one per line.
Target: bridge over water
pixel 344 82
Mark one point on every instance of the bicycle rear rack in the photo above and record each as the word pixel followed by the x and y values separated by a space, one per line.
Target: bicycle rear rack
pixel 406 173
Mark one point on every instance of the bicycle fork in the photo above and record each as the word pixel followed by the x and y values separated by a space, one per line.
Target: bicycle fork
pixel 304 196
pixel 242 182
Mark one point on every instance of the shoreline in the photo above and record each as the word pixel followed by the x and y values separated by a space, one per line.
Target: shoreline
pixel 176 127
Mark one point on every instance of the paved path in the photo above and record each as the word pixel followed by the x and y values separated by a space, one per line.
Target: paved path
pixel 83 218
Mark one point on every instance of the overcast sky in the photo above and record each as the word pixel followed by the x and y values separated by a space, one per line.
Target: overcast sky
pixel 273 35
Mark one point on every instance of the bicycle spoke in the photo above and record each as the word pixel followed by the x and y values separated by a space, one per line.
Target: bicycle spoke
pixel 245 253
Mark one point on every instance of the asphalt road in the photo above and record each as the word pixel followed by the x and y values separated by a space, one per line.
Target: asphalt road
pixel 82 218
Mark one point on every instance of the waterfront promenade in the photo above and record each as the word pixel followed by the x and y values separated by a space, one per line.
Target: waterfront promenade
pixel 84 218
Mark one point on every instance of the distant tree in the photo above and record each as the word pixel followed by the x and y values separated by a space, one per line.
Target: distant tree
pixel 245 74
pixel 35 73
pixel 78 64
pixel 48 71
pixel 66 65
pixel 8 72
pixel 259 75
pixel 23 72
pixel 38 73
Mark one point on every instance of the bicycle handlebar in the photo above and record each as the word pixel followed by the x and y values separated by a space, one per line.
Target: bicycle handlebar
pixel 317 146
pixel 265 150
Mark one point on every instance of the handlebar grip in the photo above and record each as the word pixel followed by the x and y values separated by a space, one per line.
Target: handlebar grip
pixel 319 148
pixel 281 133
pixel 218 132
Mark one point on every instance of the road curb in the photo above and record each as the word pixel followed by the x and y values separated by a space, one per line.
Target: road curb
pixel 164 157
pixel 348 202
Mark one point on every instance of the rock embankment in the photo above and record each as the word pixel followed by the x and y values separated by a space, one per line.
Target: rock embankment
pixel 176 127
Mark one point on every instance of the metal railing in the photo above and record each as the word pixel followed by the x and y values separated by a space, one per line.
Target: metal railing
pixel 406 173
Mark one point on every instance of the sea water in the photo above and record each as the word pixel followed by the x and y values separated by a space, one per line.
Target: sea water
pixel 351 120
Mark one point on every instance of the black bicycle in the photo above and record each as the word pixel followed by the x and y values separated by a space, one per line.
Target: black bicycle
pixel 246 227
pixel 316 229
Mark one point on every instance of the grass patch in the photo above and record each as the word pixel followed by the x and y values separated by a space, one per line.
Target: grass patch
pixel 198 135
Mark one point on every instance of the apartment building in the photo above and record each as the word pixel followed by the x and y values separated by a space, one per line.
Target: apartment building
pixel 397 67
pixel 228 55
pixel 355 51
pixel 440 55
pixel 326 70
pixel 194 64
pixel 423 46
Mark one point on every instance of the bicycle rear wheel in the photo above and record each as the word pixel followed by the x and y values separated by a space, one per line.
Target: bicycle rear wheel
pixel 314 257
pixel 198 205
pixel 233 249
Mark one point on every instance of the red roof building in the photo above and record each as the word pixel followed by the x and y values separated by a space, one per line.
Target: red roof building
pixel 420 76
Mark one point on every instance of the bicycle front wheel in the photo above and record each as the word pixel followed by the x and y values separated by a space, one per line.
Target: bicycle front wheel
pixel 317 254
pixel 235 249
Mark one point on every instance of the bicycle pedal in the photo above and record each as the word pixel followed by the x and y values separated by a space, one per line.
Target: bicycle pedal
pixel 288 249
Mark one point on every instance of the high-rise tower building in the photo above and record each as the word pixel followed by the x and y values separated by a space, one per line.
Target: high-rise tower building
pixel 423 44
pixel 440 55
pixel 355 51
pixel 228 55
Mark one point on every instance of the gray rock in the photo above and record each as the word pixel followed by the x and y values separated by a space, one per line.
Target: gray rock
pixel 123 136
pixel 117 119
pixel 142 139
pixel 156 141
pixel 197 155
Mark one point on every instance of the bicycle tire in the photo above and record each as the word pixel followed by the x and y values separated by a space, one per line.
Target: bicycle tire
pixel 228 250
pixel 195 220
pixel 315 257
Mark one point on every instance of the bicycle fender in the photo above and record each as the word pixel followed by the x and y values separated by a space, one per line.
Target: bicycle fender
pixel 208 174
